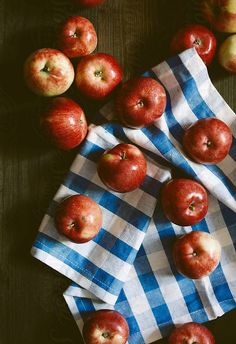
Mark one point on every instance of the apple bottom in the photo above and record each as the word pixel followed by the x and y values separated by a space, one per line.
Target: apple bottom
pixel 196 254
pixel 97 75
pixel 208 140
pixel 184 201
pixel 79 218
pixel 48 72
pixel 77 37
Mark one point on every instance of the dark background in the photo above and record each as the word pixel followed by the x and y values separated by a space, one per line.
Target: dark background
pixel 137 33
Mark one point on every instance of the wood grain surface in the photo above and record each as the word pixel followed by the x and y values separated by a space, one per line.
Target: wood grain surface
pixel 137 33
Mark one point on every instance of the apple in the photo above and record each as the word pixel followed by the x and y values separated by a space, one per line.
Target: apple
pixel 208 141
pixel 97 75
pixel 79 218
pixel 89 3
pixel 105 327
pixel 140 102
pixel 77 37
pixel 184 201
pixel 198 37
pixel 221 14
pixel 122 168
pixel 227 54
pixel 64 123
pixel 191 333
pixel 196 254
pixel 48 72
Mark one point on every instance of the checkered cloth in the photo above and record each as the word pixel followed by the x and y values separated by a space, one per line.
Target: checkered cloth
pixel 128 266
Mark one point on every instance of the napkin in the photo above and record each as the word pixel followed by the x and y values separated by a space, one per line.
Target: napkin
pixel 128 266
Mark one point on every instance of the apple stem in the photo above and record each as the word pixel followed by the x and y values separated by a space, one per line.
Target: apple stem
pixel 45 69
pixel 141 103
pixel 98 73
pixel 192 207
pixel 75 35
pixel 197 41
pixel 123 156
pixel 185 341
pixel 105 335
pixel 74 225
pixel 209 143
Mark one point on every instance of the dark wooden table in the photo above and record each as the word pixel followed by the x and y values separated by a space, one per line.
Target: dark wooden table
pixel 137 33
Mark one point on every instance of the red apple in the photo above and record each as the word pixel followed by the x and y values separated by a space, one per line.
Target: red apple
pixel 208 141
pixel 196 254
pixel 79 218
pixel 48 72
pixel 191 333
pixel 184 201
pixel 64 123
pixel 77 37
pixel 221 14
pixel 98 75
pixel 89 3
pixel 123 168
pixel 227 54
pixel 140 102
pixel 106 327
pixel 198 37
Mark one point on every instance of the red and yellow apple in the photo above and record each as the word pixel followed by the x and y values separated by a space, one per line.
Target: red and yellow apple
pixel 48 72
pixel 221 14
pixel 196 254
pixel 227 54
pixel 122 168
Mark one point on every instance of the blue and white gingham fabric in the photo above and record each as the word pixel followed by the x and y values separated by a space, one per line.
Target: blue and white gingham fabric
pixel 129 265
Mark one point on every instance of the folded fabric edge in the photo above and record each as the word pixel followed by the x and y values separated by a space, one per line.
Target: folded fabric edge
pixel 74 311
pixel 77 291
pixel 230 114
pixel 70 273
